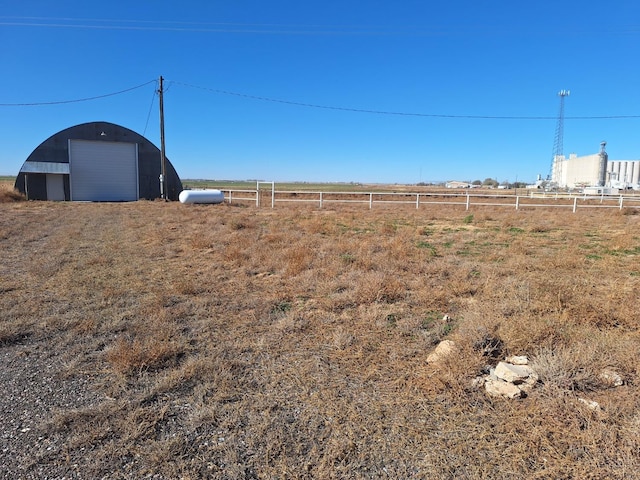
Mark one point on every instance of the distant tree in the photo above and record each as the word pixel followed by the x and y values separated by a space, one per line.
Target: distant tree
pixel 490 182
pixel 476 182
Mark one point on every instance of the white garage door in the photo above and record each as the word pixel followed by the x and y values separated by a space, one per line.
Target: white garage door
pixel 103 171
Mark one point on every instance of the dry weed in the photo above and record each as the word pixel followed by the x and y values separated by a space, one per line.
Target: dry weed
pixel 9 195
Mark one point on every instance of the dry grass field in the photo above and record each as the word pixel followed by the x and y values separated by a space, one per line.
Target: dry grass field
pixel 161 340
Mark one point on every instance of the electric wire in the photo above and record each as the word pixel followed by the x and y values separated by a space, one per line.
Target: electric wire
pixel 268 29
pixel 325 107
pixel 153 97
pixel 406 114
pixel 78 100
pixel 288 29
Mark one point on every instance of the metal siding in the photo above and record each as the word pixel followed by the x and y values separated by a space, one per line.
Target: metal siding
pixel 45 167
pixel 103 171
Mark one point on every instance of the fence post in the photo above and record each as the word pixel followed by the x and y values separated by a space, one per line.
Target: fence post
pixel 575 204
pixel 273 194
pixel 417 201
pixel 320 199
pixel 517 201
pixel 257 194
pixel 370 201
pixel 621 200
pixel 230 196
pixel 468 201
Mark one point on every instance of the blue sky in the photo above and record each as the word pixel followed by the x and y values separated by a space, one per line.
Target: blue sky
pixel 440 62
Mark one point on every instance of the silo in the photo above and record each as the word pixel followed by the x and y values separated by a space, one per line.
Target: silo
pixel 602 167
pixel 610 170
pixel 635 178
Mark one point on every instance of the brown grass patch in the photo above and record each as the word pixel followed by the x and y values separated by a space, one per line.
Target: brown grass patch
pixel 292 343
pixel 10 195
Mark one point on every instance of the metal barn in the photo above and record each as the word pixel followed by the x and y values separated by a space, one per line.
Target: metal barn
pixel 98 162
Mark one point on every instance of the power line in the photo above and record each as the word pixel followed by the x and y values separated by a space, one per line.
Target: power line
pixel 289 29
pixel 325 107
pixel 236 28
pixel 60 102
pixel 406 114
pixel 153 97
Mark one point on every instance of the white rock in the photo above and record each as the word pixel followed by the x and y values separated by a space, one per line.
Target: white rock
pixel 517 360
pixel 592 404
pixel 478 382
pixel 513 373
pixel 499 388
pixel 529 383
pixel 611 378
pixel 444 349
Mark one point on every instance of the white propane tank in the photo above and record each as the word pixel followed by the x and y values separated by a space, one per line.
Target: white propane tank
pixel 201 196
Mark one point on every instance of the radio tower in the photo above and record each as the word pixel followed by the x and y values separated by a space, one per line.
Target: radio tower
pixel 558 143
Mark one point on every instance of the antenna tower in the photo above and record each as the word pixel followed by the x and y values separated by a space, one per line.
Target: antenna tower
pixel 558 143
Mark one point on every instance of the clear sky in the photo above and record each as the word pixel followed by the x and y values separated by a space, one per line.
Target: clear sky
pixel 237 73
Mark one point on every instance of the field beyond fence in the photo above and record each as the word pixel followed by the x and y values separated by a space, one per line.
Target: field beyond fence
pixel 270 194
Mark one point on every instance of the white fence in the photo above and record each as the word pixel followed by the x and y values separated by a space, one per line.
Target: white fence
pixel 264 197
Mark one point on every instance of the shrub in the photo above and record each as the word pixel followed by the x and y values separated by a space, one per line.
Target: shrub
pixel 8 195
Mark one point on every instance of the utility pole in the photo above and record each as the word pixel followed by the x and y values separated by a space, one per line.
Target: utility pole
pixel 163 161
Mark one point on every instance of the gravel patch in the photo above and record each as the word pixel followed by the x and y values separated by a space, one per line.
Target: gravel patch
pixel 34 390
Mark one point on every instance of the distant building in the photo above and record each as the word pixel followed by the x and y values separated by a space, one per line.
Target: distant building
pixel 538 185
pixel 97 161
pixel 595 170
pixel 624 174
pixel 579 172
pixel 456 184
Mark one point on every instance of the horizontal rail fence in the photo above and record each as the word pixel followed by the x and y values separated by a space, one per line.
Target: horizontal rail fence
pixel 264 197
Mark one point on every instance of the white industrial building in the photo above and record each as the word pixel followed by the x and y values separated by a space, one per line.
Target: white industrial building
pixel 595 170
pixel 624 174
pixel 578 172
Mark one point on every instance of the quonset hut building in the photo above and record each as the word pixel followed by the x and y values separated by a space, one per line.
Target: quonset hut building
pixel 99 162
